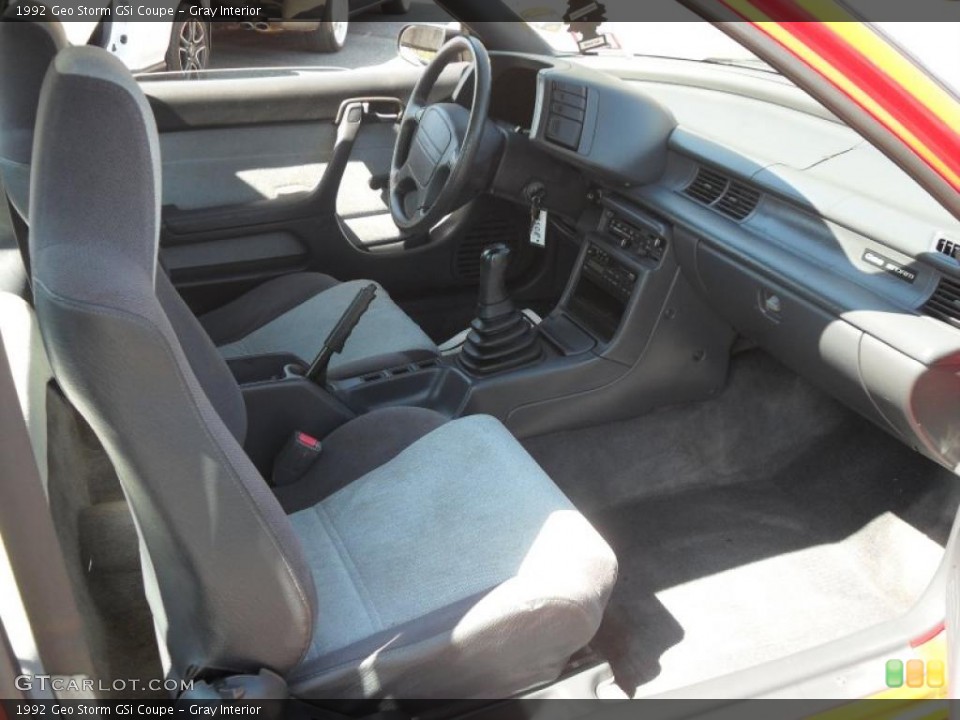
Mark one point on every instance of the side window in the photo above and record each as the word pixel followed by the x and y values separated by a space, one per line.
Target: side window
pixel 257 37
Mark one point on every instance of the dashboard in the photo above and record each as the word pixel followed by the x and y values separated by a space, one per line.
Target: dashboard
pixel 593 121
pixel 796 232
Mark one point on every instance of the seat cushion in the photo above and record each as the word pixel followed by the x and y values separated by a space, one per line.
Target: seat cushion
pixel 295 313
pixel 382 434
pixel 456 569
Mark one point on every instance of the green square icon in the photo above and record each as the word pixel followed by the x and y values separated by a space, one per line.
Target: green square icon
pixel 894 673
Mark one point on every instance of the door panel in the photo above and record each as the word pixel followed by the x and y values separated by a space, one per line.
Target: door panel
pixel 267 97
pixel 275 252
pixel 256 169
pixel 240 165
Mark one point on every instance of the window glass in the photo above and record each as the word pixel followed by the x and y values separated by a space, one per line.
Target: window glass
pixel 365 35
pixel 669 30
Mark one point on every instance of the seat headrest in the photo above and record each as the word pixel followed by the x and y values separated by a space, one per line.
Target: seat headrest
pixel 26 51
pixel 95 186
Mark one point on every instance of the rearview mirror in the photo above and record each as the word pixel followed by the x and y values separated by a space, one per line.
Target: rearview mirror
pixel 419 44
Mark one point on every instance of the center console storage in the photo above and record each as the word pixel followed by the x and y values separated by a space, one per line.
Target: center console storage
pixel 431 384
pixel 600 297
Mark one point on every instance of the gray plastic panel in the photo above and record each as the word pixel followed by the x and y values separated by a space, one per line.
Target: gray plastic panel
pixel 278 246
pixel 233 166
pixel 919 400
pixel 625 142
pixel 278 95
pixel 674 72
pixel 814 343
pixel 822 262
pixel 754 128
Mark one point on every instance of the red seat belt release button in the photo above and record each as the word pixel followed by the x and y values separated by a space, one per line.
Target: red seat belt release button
pixel 295 460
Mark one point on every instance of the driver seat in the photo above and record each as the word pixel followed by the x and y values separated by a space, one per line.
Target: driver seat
pixel 290 315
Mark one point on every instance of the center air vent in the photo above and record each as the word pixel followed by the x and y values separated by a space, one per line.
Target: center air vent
pixel 945 303
pixel 707 186
pixel 738 202
pixel 726 196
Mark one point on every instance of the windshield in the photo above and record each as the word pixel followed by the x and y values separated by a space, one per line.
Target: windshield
pixel 697 41
pixel 675 32
pixel 678 33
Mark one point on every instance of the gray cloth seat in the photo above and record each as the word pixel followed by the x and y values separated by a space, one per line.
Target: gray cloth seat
pixel 26 51
pixel 420 558
pixel 455 569
pixel 289 315
pixel 295 313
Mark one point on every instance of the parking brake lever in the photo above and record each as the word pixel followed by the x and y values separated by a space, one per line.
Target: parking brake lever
pixel 341 333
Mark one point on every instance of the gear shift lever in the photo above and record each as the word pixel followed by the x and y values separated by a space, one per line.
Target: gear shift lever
pixel 501 338
pixel 494 298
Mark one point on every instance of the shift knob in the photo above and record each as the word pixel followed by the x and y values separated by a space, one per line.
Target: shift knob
pixel 493 280
pixel 501 338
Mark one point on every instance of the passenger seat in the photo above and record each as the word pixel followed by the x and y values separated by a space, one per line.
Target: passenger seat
pixel 425 558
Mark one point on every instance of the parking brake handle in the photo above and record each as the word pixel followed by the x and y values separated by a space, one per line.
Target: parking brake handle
pixel 341 333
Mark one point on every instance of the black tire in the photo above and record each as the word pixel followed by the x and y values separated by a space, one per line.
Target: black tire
pixel 190 46
pixel 395 7
pixel 331 35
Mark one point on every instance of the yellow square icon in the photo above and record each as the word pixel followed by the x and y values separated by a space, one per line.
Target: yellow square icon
pixel 935 674
pixel 915 673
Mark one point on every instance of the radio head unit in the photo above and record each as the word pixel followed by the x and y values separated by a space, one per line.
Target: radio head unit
pixel 637 239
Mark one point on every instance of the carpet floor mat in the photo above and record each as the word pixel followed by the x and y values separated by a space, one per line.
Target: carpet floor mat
pixel 759 524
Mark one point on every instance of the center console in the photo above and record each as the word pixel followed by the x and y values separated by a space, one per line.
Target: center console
pixel 628 334
pixel 602 293
pixel 626 246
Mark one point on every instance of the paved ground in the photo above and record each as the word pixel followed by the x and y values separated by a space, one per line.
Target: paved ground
pixel 372 41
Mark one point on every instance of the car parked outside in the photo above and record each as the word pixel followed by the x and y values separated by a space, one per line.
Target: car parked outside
pixel 186 44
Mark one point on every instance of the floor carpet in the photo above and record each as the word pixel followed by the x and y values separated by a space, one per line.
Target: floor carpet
pixel 756 525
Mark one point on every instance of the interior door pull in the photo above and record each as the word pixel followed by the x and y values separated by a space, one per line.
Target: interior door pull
pixel 359 109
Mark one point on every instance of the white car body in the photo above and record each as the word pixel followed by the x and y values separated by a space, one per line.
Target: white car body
pixel 141 46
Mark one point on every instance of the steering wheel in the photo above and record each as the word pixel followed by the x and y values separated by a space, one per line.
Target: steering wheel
pixel 438 143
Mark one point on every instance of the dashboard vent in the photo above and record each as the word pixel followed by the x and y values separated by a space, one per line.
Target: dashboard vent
pixel 945 303
pixel 707 186
pixel 729 197
pixel 738 202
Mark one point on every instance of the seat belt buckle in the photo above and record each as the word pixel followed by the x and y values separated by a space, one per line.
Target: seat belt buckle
pixel 295 460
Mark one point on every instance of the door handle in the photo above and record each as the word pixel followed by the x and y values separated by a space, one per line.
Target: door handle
pixel 382 109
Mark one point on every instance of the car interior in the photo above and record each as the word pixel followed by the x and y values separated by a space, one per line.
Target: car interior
pixel 513 374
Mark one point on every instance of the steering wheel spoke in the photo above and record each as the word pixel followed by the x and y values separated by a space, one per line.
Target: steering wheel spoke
pixel 402 176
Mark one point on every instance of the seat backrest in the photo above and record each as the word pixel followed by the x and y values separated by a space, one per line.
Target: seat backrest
pixel 26 51
pixel 225 576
